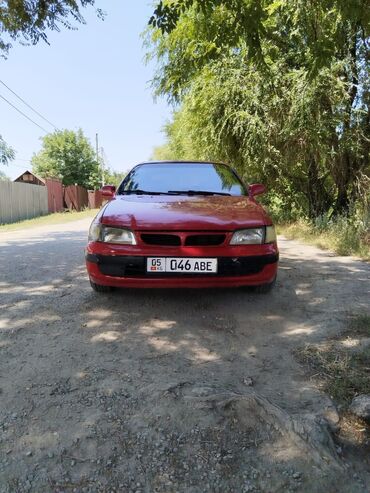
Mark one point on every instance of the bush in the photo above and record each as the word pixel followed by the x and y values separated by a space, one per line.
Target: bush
pixel 346 235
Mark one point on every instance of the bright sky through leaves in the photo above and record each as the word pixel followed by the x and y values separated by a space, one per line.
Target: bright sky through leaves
pixel 93 78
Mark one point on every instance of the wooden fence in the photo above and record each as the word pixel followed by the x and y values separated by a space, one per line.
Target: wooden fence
pixel 21 201
pixel 75 197
pixel 55 194
pixel 95 199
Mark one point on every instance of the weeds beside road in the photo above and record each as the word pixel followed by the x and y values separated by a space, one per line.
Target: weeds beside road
pixel 49 219
pixel 342 236
pixel 342 365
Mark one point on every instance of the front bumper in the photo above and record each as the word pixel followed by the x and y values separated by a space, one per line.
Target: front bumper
pixel 122 266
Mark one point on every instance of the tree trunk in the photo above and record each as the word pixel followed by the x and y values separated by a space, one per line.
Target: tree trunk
pixel 318 198
pixel 347 170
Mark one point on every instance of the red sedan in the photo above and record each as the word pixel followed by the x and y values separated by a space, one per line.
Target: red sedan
pixel 182 224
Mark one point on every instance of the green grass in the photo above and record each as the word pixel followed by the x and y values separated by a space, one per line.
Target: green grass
pixel 342 365
pixel 56 218
pixel 342 237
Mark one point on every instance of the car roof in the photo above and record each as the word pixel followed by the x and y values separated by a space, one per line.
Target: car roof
pixel 181 161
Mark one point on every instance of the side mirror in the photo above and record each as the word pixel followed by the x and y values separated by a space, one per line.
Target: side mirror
pixel 108 191
pixel 256 189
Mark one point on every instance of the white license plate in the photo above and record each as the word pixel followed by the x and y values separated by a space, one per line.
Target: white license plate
pixel 182 265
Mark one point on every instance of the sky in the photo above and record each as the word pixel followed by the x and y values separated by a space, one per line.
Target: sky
pixel 93 78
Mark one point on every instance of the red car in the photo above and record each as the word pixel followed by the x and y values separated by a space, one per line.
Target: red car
pixel 179 224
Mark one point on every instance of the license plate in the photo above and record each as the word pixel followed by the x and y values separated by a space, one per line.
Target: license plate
pixel 182 265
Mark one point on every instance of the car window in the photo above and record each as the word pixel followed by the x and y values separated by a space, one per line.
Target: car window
pixel 163 178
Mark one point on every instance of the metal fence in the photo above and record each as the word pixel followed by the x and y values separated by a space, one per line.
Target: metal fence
pixel 21 201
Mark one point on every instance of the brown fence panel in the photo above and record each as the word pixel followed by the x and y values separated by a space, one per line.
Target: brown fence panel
pixel 55 194
pixel 95 199
pixel 75 197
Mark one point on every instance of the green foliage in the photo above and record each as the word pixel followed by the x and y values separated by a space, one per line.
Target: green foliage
pixel 163 153
pixel 6 152
pixel 279 89
pixel 114 177
pixel 29 20
pixel 264 28
pixel 3 176
pixel 70 156
pixel 345 235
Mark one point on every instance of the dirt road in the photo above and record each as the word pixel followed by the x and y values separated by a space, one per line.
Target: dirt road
pixel 168 391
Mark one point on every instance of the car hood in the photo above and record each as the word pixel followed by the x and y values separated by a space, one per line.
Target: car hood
pixel 183 213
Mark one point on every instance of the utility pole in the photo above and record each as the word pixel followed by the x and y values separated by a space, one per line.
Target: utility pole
pixel 97 159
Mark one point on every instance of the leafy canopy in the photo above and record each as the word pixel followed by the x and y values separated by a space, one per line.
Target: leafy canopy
pixel 30 20
pixel 7 153
pixel 258 22
pixel 68 155
pixel 114 177
pixel 3 176
pixel 278 88
pixel 186 35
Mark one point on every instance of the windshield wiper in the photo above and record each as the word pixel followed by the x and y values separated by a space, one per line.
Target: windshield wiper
pixel 140 192
pixel 195 192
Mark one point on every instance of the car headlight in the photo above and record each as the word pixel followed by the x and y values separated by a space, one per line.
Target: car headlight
pixel 94 231
pixel 270 234
pixel 254 236
pixel 108 234
pixel 117 235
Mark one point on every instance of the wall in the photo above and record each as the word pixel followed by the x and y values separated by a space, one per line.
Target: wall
pixel 21 201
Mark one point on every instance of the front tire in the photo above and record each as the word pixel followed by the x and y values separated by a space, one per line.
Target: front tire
pixel 99 288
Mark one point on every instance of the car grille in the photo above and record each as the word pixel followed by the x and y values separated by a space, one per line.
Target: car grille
pixel 204 240
pixel 188 239
pixel 122 266
pixel 161 239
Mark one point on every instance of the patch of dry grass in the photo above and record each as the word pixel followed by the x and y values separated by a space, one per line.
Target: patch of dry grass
pixel 342 366
pixel 56 218
pixel 340 237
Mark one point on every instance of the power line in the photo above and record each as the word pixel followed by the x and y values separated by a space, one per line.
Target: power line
pixel 21 112
pixel 29 106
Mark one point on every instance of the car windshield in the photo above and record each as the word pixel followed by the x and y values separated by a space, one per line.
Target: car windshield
pixel 182 178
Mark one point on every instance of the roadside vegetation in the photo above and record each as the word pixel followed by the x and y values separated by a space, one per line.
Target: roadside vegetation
pixel 55 218
pixel 344 235
pixel 282 91
pixel 341 366
pixel 69 155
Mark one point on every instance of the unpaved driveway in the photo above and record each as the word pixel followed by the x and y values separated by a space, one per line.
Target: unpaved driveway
pixel 166 391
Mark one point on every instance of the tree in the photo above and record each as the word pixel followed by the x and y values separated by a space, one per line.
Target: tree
pixel 110 177
pixel 30 20
pixel 291 112
pixel 3 176
pixel 164 152
pixel 70 156
pixel 257 23
pixel 6 152
pixel 113 177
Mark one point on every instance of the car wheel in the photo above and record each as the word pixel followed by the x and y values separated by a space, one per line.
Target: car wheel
pixel 265 288
pixel 99 288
